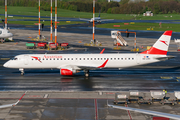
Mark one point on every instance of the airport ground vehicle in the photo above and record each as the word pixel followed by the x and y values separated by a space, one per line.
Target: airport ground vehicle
pixel 31 45
pixel 53 46
pixel 42 45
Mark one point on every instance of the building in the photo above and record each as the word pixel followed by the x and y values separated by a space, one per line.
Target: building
pixel 148 13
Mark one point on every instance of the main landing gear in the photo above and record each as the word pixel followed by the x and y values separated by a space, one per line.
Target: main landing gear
pixel 22 71
pixel 86 73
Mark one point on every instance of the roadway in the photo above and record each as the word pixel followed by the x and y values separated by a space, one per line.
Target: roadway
pixel 157 76
pixel 86 28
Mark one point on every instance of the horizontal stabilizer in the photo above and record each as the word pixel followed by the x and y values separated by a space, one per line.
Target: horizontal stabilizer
pixel 165 58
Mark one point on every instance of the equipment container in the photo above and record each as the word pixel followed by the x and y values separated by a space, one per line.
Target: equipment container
pixel 177 95
pixel 120 98
pixel 157 94
pixel 133 95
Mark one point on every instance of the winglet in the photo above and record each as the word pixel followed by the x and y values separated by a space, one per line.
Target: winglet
pixel 19 99
pixel 103 65
pixel 102 51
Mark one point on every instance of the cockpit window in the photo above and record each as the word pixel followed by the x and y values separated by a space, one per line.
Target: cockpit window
pixel 15 59
pixel 0 32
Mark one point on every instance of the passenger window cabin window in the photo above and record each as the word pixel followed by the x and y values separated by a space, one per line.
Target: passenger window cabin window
pixel 61 58
pixel 114 58
pixel 129 58
pixel 50 59
pixel 101 58
pixel 57 58
pixel 118 58
pixel 87 58
pixel 91 58
pixel 111 58
pixel 76 58
pixel 132 58
pixel 94 58
pixel 64 58
pixel 46 58
pixel 98 58
pixel 54 58
pixel 84 58
pixel 79 58
pixel 121 58
pixel 71 58
pixel 104 58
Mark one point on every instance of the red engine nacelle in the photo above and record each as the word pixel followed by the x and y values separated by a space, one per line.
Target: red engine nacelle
pixel 65 71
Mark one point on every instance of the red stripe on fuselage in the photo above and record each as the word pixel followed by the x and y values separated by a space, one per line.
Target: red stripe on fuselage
pixel 36 58
pixel 103 65
pixel 154 50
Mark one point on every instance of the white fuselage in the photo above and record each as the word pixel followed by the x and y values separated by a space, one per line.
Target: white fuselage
pixel 4 33
pixel 76 60
pixel 96 19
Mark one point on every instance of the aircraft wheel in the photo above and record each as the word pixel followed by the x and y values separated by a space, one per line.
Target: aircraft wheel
pixel 22 73
pixel 86 73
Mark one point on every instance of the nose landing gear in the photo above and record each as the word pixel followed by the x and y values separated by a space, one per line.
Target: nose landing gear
pixel 22 71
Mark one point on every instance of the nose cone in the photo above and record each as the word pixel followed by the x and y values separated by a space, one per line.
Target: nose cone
pixel 6 64
pixel 10 34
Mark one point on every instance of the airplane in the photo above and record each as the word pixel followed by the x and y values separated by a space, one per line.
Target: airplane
pixel 4 33
pixel 96 19
pixel 70 64
pixel 13 104
pixel 149 112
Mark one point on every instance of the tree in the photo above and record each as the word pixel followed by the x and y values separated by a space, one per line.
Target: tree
pixel 156 8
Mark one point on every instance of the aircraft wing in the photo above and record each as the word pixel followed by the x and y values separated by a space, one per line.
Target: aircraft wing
pixel 8 105
pixel 13 104
pixel 165 58
pixel 79 67
pixel 106 19
pixel 85 67
pixel 88 67
pixel 167 115
pixel 84 19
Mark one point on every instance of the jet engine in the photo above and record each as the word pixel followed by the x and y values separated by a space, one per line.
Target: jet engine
pixel 67 71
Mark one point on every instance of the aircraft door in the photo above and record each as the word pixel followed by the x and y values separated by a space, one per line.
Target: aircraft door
pixel 26 59
pixel 138 58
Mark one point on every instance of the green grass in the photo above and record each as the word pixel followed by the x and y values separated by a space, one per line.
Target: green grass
pixel 33 11
pixel 74 14
pixel 15 17
pixel 45 22
pixel 143 26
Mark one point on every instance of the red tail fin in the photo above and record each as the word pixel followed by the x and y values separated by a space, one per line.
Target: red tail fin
pixel 161 46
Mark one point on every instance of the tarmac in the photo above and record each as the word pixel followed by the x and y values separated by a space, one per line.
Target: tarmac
pixel 51 96
pixel 44 105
